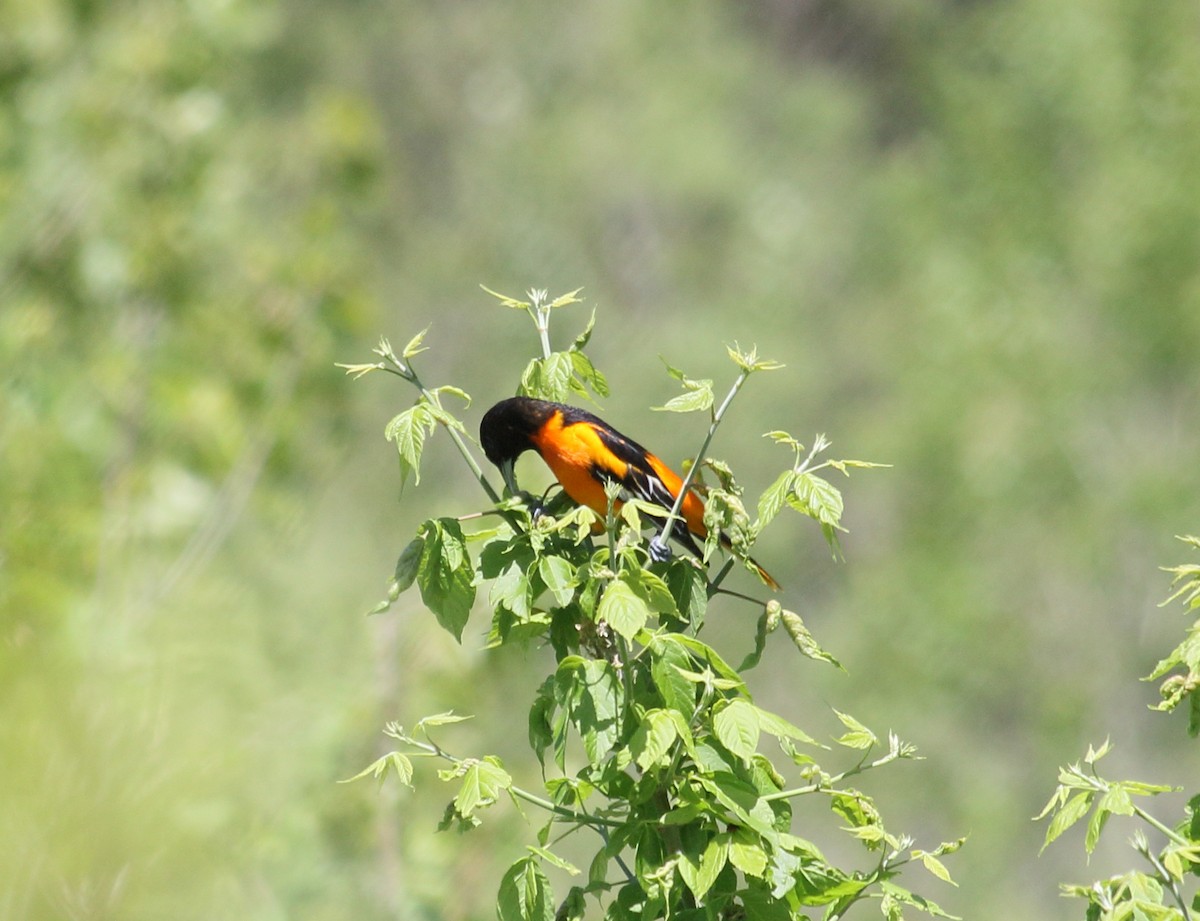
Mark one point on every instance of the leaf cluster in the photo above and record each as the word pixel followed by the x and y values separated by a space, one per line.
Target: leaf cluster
pixel 644 733
pixel 1167 888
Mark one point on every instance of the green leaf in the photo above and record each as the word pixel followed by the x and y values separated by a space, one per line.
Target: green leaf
pixel 698 394
pixel 653 590
pixel 445 575
pixel 623 610
pixel 737 728
pixel 804 641
pixel 707 655
pixel 781 728
pixel 525 893
pixel 408 564
pixel 553 859
pixel 507 301
pixel 592 694
pixel 440 719
pixel 689 588
pixel 749 361
pixel 857 809
pixel 482 783
pixel 414 346
pixel 760 642
pixel 588 374
pixel 400 764
pixel 652 741
pixel 742 801
pixel 564 299
pixel 818 498
pixel 559 576
pixel 1095 826
pixel 934 866
pixel 676 691
pixel 747 853
pixel 511 591
pixel 1071 812
pixel 859 735
pixel 408 431
pixel 690 402
pixel 584 337
pixel 773 499
pixel 699 872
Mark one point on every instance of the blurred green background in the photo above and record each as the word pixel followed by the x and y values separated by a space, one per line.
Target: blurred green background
pixel 970 229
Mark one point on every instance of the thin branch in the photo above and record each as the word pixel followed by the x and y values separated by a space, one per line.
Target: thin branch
pixel 673 516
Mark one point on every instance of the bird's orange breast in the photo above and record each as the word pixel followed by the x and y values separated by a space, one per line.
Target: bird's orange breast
pixel 570 452
pixel 573 452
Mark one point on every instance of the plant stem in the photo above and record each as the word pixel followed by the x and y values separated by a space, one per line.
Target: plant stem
pixel 828 785
pixel 673 516
pixel 1169 832
pixel 409 373
pixel 579 818
pixel 541 319
pixel 715 585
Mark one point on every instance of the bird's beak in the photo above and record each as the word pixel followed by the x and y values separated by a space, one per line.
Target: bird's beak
pixel 509 474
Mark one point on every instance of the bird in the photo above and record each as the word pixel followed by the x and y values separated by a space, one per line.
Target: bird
pixel 584 453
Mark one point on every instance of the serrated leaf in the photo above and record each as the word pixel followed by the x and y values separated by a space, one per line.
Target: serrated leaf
pixel 584 337
pixel 589 374
pixel 706 654
pixel 935 866
pixel 760 643
pixel 445 575
pixel 623 610
pixel 747 853
pixel 1068 814
pixel 653 590
pixel 399 763
pixel 441 719
pixel 1095 826
pixel 804 641
pixel 676 691
pixel 693 401
pixel 553 859
pixel 559 576
pixel 777 726
pixel 408 430
pixel 699 872
pixel 507 301
pixel 773 499
pixel 525 893
pixel 859 735
pixel 482 783
pixel 652 740
pixel 1095 754
pixel 406 566
pixel 564 299
pixel 818 498
pixel 737 728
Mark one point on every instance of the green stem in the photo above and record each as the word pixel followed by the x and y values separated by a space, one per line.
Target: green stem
pixel 673 516
pixel 409 374
pixel 541 319
pixel 714 585
pixel 540 313
pixel 836 779
pixel 1169 832
pixel 579 818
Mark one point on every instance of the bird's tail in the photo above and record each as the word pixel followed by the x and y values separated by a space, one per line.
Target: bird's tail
pixel 768 579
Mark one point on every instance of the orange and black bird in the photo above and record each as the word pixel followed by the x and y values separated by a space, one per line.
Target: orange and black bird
pixel 584 453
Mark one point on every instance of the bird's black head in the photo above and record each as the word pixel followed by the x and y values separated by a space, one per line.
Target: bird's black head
pixel 506 431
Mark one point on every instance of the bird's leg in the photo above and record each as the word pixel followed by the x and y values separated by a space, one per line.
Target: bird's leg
pixel 660 552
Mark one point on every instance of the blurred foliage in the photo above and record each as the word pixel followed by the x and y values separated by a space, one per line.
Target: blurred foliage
pixel 968 228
